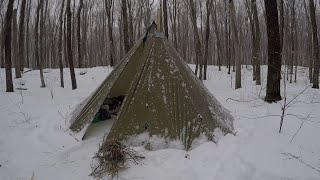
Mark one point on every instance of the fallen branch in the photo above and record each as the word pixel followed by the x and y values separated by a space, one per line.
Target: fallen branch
pixel 291 156
pixel 21 89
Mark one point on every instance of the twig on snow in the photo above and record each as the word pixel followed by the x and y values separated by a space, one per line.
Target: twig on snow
pixel 291 156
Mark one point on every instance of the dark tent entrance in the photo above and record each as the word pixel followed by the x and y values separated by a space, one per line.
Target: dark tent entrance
pixel 109 109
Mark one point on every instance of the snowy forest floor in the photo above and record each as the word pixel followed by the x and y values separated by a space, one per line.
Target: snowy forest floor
pixel 34 141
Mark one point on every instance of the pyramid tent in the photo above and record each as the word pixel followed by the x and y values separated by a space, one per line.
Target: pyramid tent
pixel 163 97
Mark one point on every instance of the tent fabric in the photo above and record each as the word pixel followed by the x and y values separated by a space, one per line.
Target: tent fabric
pixel 163 97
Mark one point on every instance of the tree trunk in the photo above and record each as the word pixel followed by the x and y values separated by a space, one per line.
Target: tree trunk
pixel 309 45
pixel 217 32
pixel 130 24
pixel 41 44
pixel 28 35
pixel 199 53
pixel 7 46
pixel 165 18
pixel 60 49
pixel 15 44
pixel 315 79
pixel 69 46
pixel 125 26
pixel 274 52
pixel 236 45
pixel 109 4
pixel 21 34
pixel 206 55
pixel 79 33
pixel 256 43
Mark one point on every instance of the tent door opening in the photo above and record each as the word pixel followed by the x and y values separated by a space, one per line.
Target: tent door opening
pixel 109 108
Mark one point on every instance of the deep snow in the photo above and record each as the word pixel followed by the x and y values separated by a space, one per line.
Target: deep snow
pixel 34 140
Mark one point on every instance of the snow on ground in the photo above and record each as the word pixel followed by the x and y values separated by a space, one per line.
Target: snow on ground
pixel 34 140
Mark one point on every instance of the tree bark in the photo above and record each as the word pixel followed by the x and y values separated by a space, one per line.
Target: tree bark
pixel 7 46
pixel 21 34
pixel 165 19
pixel 236 45
pixel 218 40
pixel 79 33
pixel 28 36
pixel 315 79
pixel 199 53
pixel 274 52
pixel 309 45
pixel 125 26
pixel 207 37
pixel 60 49
pixel 130 24
pixel 256 44
pixel 69 45
pixel 15 44
pixel 109 4
pixel 41 44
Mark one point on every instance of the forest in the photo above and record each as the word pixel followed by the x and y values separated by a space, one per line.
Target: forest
pixel 78 34
pixel 159 89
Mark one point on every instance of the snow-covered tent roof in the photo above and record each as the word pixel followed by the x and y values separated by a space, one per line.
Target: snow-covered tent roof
pixel 163 97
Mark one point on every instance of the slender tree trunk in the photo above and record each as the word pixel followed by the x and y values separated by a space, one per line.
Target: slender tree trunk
pixel 109 4
pixel 165 18
pixel 207 37
pixel 315 79
pixel 14 44
pixel 228 37
pixel 69 45
pixel 65 40
pixel 199 53
pixel 21 34
pixel 41 44
pixel 7 46
pixel 309 37
pixel 257 43
pixel 218 41
pixel 292 33
pixel 274 52
pixel 125 26
pixel 236 45
pixel 79 33
pixel 130 24
pixel 60 49
pixel 2 47
pixel 28 35
pixel 281 10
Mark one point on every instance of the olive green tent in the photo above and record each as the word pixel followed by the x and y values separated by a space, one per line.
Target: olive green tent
pixel 163 97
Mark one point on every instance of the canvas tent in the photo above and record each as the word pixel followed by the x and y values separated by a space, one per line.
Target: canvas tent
pixel 163 97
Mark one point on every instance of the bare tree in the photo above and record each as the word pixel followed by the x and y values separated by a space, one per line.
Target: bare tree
pixel 274 52
pixel 198 44
pixel 209 4
pixel 309 39
pixel 236 44
pixel 41 43
pixel 256 44
pixel 60 49
pixel 7 42
pixel 15 44
pixel 165 18
pixel 21 34
pixel 125 26
pixel 79 33
pixel 69 45
pixel 218 38
pixel 109 4
pixel 315 79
